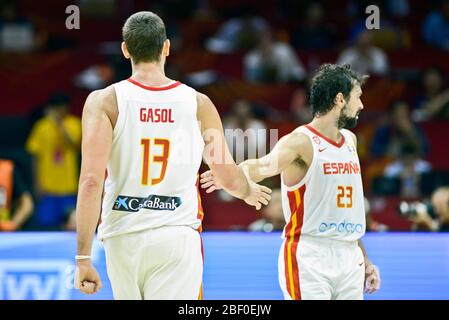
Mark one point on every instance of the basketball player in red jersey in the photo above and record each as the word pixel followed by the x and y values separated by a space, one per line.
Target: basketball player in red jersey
pixel 322 195
pixel 150 133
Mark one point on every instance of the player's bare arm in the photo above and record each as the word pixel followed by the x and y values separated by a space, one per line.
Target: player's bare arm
pixel 220 161
pixel 97 127
pixel 292 151
pixel 372 273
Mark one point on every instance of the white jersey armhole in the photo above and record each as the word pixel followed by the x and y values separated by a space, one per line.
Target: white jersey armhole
pixel 198 124
pixel 309 170
pixel 120 124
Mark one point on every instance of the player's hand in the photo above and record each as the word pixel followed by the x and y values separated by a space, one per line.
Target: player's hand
pixel 87 279
pixel 372 277
pixel 258 195
pixel 208 181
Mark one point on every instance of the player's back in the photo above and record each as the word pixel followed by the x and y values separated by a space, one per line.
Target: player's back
pixel 156 153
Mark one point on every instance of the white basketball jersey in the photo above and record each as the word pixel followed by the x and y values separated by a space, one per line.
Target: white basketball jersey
pixel 156 153
pixel 328 202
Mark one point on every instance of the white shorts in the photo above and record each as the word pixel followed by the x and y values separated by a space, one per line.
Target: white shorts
pixel 162 263
pixel 321 269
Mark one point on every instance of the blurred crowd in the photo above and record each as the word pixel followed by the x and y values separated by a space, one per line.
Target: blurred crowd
pixel 255 62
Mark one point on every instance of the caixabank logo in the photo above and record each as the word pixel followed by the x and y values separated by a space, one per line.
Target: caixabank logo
pixel 34 279
pixel 152 202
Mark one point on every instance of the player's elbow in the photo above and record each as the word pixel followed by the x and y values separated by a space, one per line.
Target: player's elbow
pixel 90 182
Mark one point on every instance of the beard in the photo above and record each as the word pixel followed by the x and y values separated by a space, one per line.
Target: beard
pixel 345 121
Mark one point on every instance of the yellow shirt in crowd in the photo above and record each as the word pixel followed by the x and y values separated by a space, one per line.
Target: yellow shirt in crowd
pixel 57 161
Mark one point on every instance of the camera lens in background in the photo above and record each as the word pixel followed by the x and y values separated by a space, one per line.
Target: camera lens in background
pixel 409 210
pixel 406 209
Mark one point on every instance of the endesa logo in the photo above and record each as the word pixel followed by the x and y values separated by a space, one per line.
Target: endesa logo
pixel 342 227
pixel 152 202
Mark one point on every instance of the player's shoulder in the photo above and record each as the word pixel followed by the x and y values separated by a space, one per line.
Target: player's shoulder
pixel 202 98
pixel 205 106
pixel 351 134
pixel 297 139
pixel 105 94
pixel 102 99
pixel 300 134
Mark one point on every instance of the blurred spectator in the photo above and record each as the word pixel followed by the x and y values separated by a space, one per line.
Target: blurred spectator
pixel 432 84
pixel 299 114
pixel 16 202
pixel 314 33
pixel 371 224
pixel 399 130
pixel 17 34
pixel 436 27
pixel 365 58
pixel 272 62
pixel 272 215
pixel 236 34
pixel 433 102
pixel 433 217
pixel 243 129
pixel 54 143
pixel 95 77
pixel 408 168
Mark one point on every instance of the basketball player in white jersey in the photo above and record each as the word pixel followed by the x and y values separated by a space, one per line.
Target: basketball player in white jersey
pixel 321 256
pixel 149 134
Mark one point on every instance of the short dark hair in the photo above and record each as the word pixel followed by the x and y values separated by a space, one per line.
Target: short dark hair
pixel 329 80
pixel 144 35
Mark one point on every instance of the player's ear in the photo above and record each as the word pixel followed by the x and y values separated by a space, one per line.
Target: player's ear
pixel 166 48
pixel 125 51
pixel 339 100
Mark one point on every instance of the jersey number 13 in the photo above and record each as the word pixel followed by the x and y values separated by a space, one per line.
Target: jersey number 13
pixel 161 158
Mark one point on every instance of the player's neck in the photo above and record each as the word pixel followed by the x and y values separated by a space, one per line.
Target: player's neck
pixel 327 127
pixel 151 74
